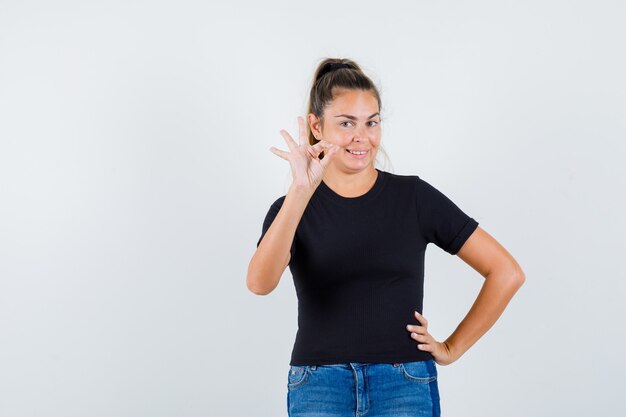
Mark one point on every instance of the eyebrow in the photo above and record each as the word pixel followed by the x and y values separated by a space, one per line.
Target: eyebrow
pixel 353 117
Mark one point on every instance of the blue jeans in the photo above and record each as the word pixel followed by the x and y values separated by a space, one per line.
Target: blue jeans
pixel 356 389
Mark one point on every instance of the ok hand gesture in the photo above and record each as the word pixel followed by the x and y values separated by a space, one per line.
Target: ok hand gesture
pixel 307 169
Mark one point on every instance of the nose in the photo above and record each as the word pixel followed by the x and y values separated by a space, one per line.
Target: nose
pixel 360 133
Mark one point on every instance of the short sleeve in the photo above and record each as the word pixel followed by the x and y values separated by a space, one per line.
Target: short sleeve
pixel 269 218
pixel 441 221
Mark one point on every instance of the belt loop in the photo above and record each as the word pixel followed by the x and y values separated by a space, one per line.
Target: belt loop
pixel 313 367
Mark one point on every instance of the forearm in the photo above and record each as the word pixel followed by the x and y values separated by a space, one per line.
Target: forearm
pixel 495 294
pixel 270 259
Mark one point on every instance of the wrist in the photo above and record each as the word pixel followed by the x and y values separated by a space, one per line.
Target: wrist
pixel 303 191
pixel 453 351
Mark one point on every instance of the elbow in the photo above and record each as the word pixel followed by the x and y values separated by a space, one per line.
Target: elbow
pixel 251 280
pixel 253 287
pixel 252 283
pixel 259 281
pixel 512 275
pixel 256 290
pixel 519 277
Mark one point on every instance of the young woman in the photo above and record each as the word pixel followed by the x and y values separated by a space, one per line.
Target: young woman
pixel 355 238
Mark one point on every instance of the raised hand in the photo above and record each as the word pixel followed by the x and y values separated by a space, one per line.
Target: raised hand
pixel 440 350
pixel 307 169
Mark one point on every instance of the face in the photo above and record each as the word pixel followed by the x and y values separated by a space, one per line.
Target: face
pixel 352 121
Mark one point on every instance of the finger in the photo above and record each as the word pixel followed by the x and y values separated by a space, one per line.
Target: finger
pixel 421 319
pixel 324 144
pixel 423 338
pixel 289 140
pixel 314 151
pixel 303 135
pixel 280 153
pixel 319 147
pixel 420 337
pixel 328 155
pixel 426 342
pixel 416 329
pixel 426 347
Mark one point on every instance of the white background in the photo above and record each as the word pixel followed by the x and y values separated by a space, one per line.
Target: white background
pixel 135 175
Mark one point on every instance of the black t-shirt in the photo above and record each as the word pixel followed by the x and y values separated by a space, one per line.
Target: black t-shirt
pixel 358 268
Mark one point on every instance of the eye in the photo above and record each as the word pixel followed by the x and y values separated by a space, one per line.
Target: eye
pixel 372 123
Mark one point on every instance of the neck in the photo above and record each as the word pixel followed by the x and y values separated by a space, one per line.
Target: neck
pixel 344 182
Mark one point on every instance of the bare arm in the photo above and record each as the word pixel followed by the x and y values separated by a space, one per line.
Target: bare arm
pixel 273 253
pixel 503 277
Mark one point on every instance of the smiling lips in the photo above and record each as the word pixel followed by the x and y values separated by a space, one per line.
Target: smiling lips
pixel 358 153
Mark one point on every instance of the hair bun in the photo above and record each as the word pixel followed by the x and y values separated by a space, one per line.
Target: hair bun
pixel 335 65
